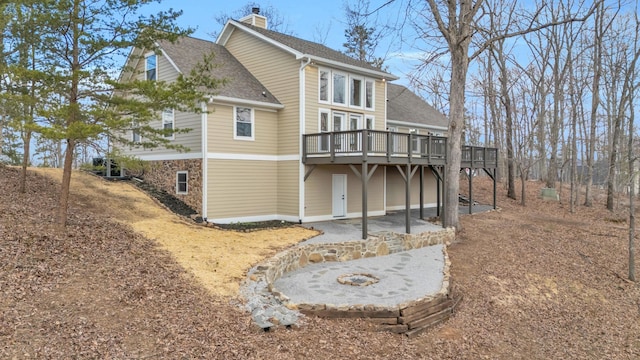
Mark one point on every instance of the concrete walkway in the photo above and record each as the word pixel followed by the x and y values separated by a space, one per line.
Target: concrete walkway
pixel 351 229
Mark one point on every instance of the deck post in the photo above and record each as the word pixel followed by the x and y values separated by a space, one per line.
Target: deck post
pixel 365 179
pixel 421 192
pixel 443 213
pixel 407 216
pixel 438 184
pixel 471 190
pixel 495 173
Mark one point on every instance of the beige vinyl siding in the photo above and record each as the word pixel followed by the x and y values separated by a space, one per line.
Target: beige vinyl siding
pixel 313 105
pixel 318 191
pixel 279 72
pixel 241 188
pixel 288 188
pixel 220 125
pixel 192 139
pixel 396 188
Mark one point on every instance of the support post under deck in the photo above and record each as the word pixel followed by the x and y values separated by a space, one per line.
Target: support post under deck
pixel 365 177
pixel 421 192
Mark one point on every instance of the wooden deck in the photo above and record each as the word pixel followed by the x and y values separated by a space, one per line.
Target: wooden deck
pixel 389 148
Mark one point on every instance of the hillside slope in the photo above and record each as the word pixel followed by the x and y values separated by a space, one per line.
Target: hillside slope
pixel 538 283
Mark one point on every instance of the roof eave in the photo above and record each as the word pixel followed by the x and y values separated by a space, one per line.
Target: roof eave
pixel 319 60
pixel 415 124
pixel 234 100
pixel 226 33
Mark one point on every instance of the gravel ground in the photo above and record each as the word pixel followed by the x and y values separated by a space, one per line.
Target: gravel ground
pixel 538 283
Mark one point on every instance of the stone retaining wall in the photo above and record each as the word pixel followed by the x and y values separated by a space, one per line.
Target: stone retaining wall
pixel 410 318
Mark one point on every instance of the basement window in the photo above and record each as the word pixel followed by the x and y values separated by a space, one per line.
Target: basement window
pixel 182 186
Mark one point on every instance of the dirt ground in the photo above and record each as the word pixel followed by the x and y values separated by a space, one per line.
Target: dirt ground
pixel 538 283
pixel 219 259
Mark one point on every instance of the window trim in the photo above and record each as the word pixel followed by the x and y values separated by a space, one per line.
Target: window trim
pixel 173 123
pixel 146 64
pixel 329 87
pixel 235 124
pixel 373 94
pixel 373 121
pixel 186 182
pixel 350 90
pixel 345 88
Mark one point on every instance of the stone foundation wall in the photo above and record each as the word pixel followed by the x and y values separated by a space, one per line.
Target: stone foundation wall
pixel 162 174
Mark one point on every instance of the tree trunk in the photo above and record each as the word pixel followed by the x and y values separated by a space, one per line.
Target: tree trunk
pixel 25 160
pixel 459 65
pixel 613 158
pixel 632 195
pixel 595 102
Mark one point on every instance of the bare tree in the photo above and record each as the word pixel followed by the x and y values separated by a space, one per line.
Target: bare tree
pixel 458 21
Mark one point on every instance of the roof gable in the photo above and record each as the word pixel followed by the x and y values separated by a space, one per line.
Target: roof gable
pixel 405 106
pixel 239 84
pixel 304 48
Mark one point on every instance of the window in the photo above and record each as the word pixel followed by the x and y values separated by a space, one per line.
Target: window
pixel 324 127
pixel 344 89
pixel 324 85
pixel 414 140
pixel 182 187
pixel 370 122
pixel 243 124
pixel 368 94
pixel 168 120
pixel 355 122
pixel 356 92
pixel 339 88
pixel 135 133
pixel 151 68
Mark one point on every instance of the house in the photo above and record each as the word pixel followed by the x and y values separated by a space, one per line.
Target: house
pixel 283 138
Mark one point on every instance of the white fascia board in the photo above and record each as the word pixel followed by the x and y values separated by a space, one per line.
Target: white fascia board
pixel 238 101
pixel 415 125
pixel 226 33
pixel 347 67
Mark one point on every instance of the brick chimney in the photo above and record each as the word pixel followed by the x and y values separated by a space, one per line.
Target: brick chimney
pixel 255 18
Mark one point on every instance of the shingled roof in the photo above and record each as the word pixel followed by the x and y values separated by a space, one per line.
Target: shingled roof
pixel 240 83
pixel 320 51
pixel 403 105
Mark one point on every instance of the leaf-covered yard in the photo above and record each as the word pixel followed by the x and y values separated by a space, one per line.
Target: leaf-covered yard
pixel 538 282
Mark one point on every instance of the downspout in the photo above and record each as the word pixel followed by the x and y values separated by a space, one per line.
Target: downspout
pixel 205 161
pixel 302 102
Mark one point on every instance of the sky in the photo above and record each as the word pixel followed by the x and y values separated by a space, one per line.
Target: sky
pixel 312 20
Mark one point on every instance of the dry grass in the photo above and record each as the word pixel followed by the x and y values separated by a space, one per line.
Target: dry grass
pixel 219 259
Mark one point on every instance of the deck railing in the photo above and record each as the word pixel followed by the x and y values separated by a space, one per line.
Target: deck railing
pixel 373 143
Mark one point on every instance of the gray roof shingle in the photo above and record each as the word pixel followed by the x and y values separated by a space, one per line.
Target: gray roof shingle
pixel 404 105
pixel 241 84
pixel 314 49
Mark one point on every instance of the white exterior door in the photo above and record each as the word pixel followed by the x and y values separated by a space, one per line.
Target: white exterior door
pixel 339 195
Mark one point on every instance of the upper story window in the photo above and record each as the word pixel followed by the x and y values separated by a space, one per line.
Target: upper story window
pixel 151 67
pixel 368 94
pixel 345 89
pixel 168 122
pixel 355 88
pixel 339 88
pixel 324 85
pixel 243 125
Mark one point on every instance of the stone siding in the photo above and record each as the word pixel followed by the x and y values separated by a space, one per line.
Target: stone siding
pixel 162 174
